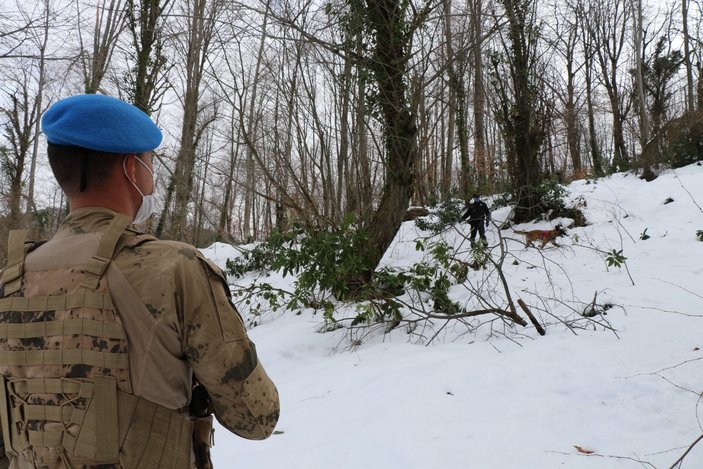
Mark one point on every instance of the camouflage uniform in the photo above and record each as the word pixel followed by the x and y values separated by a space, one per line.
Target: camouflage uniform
pixel 176 322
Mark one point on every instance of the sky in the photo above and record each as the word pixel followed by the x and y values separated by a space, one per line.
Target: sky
pixel 619 390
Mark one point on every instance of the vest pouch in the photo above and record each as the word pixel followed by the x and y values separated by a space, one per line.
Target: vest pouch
pixel 5 418
pixel 89 432
pixel 98 437
pixel 115 426
pixel 152 436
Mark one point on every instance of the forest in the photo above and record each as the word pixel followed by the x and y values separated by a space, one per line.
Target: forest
pixel 289 113
pixel 300 135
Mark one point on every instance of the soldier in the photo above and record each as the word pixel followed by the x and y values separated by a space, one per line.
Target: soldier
pixel 116 347
pixel 479 217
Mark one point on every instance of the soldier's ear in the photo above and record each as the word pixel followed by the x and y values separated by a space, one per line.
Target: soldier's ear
pixel 130 167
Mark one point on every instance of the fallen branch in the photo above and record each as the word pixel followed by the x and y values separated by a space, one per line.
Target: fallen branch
pixel 476 312
pixel 533 319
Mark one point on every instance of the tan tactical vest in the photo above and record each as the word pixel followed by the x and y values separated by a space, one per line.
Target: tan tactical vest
pixel 65 393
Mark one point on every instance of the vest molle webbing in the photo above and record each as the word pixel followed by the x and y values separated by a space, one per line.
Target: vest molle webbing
pixel 64 370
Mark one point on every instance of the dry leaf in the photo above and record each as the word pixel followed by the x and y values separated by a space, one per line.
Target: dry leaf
pixel 583 450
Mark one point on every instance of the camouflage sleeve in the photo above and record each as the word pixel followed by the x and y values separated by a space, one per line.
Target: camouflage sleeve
pixel 4 459
pixel 224 360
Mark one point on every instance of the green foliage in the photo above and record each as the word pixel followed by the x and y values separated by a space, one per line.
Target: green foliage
pixel 390 281
pixel 699 235
pixel 552 195
pixel 257 297
pixel 324 260
pixel 378 311
pixel 327 259
pixel 615 258
pixel 432 277
pixel 333 261
pixel 448 213
pixel 502 200
pixel 580 202
pixel 644 236
pixel 684 140
pixel 437 275
pixel 259 258
pixel 479 255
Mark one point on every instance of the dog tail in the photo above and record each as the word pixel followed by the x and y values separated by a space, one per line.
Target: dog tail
pixel 520 232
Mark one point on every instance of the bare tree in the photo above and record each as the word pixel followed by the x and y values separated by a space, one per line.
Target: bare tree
pixel 14 32
pixel 18 129
pixel 690 90
pixel 607 22
pixel 522 109
pixel 639 75
pixel 201 17
pixel 587 42
pixel 109 24
pixel 147 79
pixel 565 40
pixel 392 33
pixel 456 63
pixel 659 70
pixel 481 159
pixel 249 201
pixel 42 41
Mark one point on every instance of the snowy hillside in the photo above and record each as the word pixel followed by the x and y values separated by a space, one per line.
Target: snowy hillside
pixel 624 385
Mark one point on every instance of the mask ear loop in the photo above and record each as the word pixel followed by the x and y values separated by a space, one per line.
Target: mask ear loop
pixel 124 170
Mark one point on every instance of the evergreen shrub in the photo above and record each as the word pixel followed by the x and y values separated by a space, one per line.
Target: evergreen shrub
pixel 448 213
pixel 685 140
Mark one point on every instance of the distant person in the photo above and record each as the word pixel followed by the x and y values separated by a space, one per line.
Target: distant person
pixel 116 348
pixel 479 216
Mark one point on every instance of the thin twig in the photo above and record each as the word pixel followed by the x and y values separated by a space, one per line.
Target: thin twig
pixel 609 456
pixel 689 194
pixel 680 460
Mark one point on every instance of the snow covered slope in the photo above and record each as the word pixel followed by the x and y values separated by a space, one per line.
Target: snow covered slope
pixel 513 399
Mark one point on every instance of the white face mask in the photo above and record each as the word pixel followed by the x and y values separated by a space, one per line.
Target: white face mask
pixel 148 205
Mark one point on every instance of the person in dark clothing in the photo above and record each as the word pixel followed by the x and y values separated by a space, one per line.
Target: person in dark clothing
pixel 479 216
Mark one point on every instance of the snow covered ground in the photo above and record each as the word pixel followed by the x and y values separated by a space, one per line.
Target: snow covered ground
pixel 508 398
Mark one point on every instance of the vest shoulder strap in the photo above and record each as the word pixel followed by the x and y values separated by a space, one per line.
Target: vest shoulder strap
pixel 97 265
pixel 11 277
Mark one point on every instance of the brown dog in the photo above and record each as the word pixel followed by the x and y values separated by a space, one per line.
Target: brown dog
pixel 546 236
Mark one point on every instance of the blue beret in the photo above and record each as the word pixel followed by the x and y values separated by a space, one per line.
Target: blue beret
pixel 101 123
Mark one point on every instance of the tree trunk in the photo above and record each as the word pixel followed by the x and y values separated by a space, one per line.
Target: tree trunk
pixel 343 173
pixel 389 64
pixel 18 131
pixel 587 38
pixel 147 81
pixel 521 115
pixel 480 153
pixel 457 105
pixel 573 133
pixel 596 157
pixel 690 91
pixel 199 36
pixel 224 226
pixel 364 187
pixel 38 103
pixel 109 23
pixel 639 84
pixel 608 28
pixel 249 198
pixel 447 148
